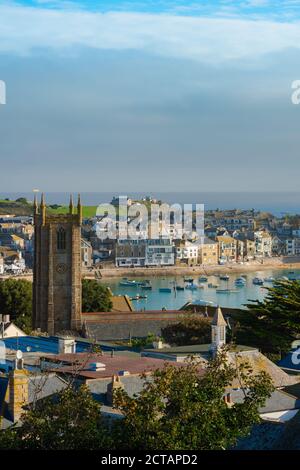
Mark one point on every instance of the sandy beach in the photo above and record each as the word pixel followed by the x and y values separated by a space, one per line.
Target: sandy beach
pixel 286 262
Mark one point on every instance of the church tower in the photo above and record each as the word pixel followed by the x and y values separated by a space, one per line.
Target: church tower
pixel 57 269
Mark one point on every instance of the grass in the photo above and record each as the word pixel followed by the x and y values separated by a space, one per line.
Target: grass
pixel 20 208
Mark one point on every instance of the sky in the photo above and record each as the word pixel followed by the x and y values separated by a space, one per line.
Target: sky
pixel 164 95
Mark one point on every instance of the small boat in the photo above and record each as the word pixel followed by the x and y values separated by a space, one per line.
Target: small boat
pixel 128 283
pixel 257 281
pixel 203 279
pixel 213 286
pixel 224 277
pixel 269 279
pixel 191 286
pixel 146 285
pixel 188 280
pixel 226 291
pixel 240 281
pixel 165 290
pixel 179 288
pixel 138 297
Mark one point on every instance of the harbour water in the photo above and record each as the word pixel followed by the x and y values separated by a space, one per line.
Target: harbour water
pixel 175 299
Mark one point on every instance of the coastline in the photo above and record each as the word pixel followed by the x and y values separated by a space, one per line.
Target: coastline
pixel 272 263
pixel 280 263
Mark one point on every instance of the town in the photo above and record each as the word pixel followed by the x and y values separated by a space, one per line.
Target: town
pixel 66 336
pixel 230 237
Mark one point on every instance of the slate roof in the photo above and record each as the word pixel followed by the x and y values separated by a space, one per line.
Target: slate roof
pixel 81 364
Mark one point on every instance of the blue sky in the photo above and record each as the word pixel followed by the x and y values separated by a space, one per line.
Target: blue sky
pixel 149 96
pixel 279 9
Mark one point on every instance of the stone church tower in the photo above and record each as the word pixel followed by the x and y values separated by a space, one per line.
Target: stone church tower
pixel 57 269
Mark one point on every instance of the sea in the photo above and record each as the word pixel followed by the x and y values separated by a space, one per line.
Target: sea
pixel 173 300
pixel 278 203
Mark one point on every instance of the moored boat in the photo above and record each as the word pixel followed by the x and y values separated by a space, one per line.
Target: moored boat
pixel 269 279
pixel 165 290
pixel 240 282
pixel 224 277
pixel 257 281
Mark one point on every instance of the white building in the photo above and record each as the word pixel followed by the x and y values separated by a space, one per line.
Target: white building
pixel 292 246
pixel 159 253
pixel 188 252
pixel 263 243
pixel 8 329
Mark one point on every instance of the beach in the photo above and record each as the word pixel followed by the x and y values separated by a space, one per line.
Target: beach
pixel 286 262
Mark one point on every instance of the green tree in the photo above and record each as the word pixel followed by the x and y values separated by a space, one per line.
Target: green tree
pixel 16 301
pixel 271 324
pixel 72 421
pixel 192 329
pixel 95 297
pixel 181 409
pixel 22 200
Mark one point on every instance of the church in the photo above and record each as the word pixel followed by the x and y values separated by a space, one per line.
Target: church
pixel 57 269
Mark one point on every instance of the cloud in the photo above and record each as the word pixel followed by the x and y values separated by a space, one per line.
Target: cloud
pixel 26 30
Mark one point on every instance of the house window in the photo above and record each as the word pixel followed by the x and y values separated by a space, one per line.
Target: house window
pixel 61 239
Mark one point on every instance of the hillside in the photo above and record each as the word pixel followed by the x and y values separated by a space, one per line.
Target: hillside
pixel 23 207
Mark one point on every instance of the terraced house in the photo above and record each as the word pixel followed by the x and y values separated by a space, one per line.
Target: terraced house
pixel 227 249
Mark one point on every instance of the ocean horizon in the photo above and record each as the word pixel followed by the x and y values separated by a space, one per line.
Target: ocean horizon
pixel 278 203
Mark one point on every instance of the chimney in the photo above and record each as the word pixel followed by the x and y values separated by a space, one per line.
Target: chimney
pixel 66 345
pixel 18 384
pixel 115 384
pixel 227 399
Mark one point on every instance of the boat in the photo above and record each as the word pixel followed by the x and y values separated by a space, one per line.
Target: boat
pixel 269 279
pixel 240 281
pixel 226 291
pixel 146 287
pixel 202 279
pixel 165 289
pixel 128 283
pixel 224 277
pixel 188 280
pixel 179 288
pixel 257 281
pixel 213 286
pixel 138 297
pixel 191 286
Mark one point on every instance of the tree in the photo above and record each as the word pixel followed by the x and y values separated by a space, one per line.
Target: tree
pixel 192 329
pixel 95 297
pixel 72 421
pixel 16 301
pixel 181 409
pixel 22 200
pixel 271 324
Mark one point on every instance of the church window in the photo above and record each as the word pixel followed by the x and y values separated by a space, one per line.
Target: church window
pixel 61 239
